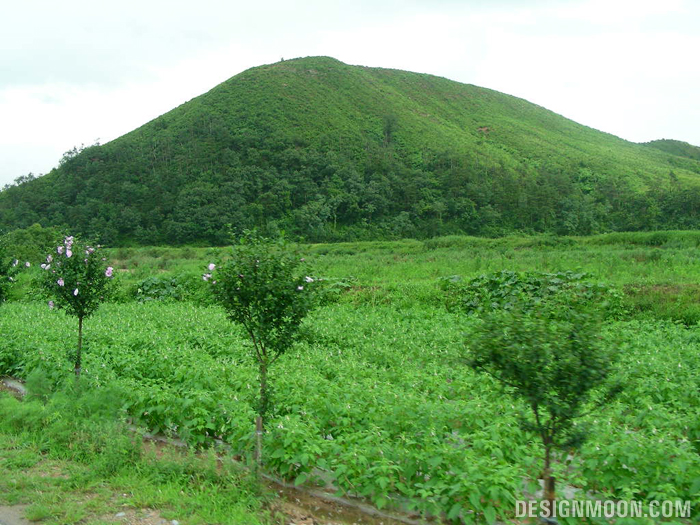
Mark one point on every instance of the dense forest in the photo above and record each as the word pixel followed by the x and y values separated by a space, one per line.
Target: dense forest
pixel 326 151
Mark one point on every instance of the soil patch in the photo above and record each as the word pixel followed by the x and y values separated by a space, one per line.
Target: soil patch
pixel 13 515
pixel 14 387
pixel 136 517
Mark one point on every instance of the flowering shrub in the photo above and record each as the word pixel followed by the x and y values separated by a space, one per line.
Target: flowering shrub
pixel 77 279
pixel 265 289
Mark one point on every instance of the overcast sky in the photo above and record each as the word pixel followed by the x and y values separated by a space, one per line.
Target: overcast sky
pixel 74 71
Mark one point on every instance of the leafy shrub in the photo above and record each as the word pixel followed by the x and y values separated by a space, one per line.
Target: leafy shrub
pixel 506 290
pixel 179 287
pixel 9 267
pixel 33 243
pixel 331 290
pixel 552 358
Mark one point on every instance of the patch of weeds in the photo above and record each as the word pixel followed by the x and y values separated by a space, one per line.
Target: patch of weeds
pixel 68 457
pixel 19 460
pixel 38 512
pixel 676 302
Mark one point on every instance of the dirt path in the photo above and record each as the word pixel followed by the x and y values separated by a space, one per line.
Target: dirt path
pixel 14 387
pixel 13 515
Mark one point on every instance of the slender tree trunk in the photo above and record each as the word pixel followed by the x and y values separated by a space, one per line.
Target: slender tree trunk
pixel 262 409
pixel 78 357
pixel 258 442
pixel 549 480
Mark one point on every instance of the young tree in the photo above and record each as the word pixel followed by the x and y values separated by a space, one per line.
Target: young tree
pixel 77 279
pixel 552 358
pixel 264 288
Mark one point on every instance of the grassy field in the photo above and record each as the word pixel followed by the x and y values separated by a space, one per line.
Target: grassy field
pixel 376 400
pixel 659 271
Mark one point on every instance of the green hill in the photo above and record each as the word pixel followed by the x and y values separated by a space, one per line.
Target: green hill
pixel 327 151
pixel 676 147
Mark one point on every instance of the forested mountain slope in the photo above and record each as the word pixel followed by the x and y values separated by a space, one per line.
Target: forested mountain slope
pixel 328 151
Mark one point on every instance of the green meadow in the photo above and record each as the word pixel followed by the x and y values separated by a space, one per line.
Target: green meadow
pixel 374 401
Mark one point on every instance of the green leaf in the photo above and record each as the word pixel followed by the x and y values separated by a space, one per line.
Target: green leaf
pixel 301 478
pixel 475 500
pixel 454 511
pixel 490 515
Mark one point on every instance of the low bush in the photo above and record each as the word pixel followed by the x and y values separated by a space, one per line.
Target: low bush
pixel 507 290
pixel 179 287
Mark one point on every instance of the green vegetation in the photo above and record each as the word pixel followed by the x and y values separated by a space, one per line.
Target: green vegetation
pixel 375 399
pixel 529 291
pixel 552 357
pixel 676 147
pixel 68 458
pixel 326 151
pixel 264 289
pixel 31 244
pixel 9 267
pixel 77 283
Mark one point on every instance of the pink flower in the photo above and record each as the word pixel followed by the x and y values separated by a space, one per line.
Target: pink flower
pixel 59 250
pixel 49 258
pixel 211 267
pixel 206 276
pixel 69 252
pixel 27 264
pixel 51 305
pixel 75 292
pixel 60 282
pixel 109 271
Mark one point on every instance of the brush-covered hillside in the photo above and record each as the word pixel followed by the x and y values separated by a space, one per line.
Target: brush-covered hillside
pixel 676 147
pixel 327 151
